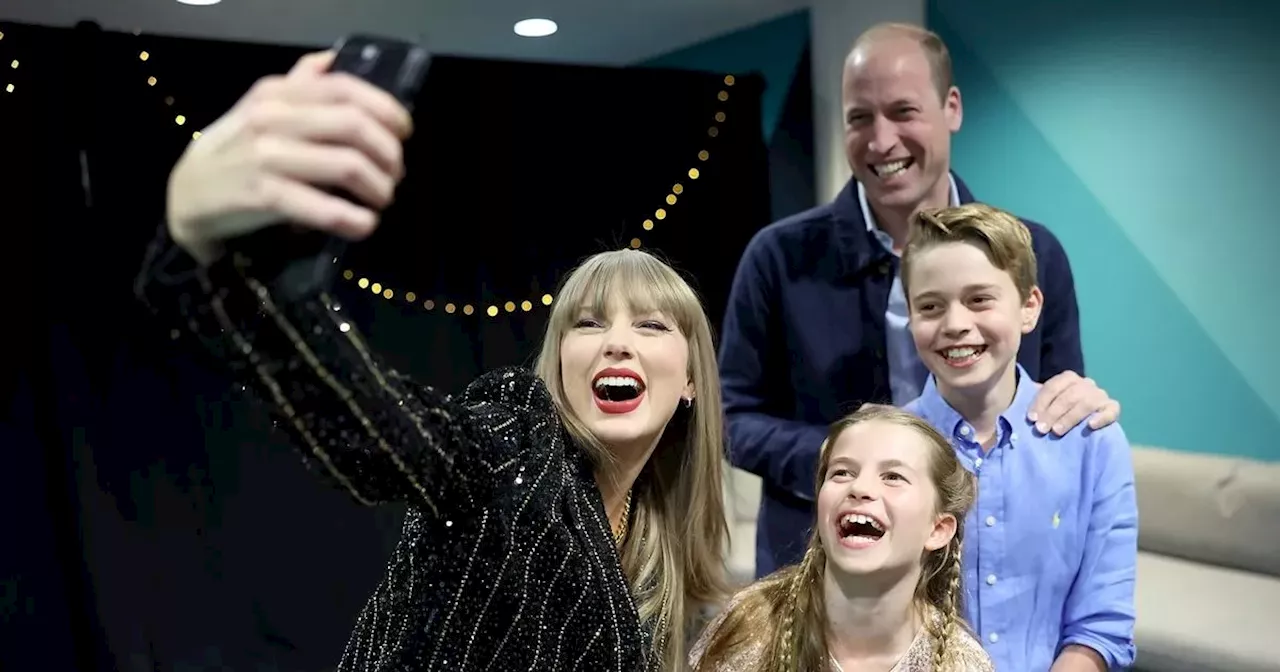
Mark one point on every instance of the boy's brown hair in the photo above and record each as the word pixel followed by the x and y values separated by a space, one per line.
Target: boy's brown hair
pixel 1001 236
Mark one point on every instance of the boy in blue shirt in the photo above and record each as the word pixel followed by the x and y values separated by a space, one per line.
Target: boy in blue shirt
pixel 1050 548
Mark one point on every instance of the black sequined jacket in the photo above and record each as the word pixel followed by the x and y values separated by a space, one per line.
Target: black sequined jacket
pixel 506 559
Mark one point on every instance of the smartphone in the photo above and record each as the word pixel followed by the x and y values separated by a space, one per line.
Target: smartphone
pixel 295 262
pixel 393 66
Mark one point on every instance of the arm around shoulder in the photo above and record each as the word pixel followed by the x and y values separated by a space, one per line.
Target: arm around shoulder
pixel 362 426
pixel 1100 609
pixel 753 374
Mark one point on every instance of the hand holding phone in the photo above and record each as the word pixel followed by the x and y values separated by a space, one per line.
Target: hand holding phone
pixel 298 260
pixel 301 160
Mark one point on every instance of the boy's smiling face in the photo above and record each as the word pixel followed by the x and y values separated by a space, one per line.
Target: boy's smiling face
pixel 967 318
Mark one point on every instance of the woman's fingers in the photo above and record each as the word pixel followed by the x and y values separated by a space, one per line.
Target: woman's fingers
pixel 345 125
pixel 314 63
pixel 335 167
pixel 275 197
pixel 308 88
pixel 293 149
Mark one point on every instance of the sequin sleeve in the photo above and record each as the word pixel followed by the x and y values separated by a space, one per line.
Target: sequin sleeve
pixel 362 426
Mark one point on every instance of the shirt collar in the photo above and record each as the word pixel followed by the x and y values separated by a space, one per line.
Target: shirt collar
pixel 870 217
pixel 940 414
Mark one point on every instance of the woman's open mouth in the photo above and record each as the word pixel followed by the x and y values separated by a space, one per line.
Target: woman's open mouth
pixel 617 390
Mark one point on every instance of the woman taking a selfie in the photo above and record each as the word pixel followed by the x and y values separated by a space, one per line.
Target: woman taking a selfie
pixel 565 518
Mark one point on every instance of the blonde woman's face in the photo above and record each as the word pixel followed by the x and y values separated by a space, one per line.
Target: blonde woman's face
pixel 624 373
pixel 877 508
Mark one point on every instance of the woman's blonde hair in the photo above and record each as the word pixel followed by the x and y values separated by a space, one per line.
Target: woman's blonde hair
pixel 787 610
pixel 675 550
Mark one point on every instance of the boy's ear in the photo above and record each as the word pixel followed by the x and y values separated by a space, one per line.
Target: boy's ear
pixel 1031 310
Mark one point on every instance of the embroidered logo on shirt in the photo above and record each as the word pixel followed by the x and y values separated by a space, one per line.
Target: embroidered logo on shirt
pixel 1057 519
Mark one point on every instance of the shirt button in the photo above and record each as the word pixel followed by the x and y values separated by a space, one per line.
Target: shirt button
pixel 1013 437
pixel 964 429
pixel 977 462
pixel 993 637
pixel 991 579
pixel 991 520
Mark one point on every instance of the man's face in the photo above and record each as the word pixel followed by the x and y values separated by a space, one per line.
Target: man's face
pixel 897 131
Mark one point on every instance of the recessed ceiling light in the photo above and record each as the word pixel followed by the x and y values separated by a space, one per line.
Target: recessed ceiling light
pixel 535 27
pixel 200 3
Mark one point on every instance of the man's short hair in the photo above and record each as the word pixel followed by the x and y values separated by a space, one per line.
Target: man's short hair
pixel 935 50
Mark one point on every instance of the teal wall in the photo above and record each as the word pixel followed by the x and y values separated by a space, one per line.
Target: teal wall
pixel 1142 133
pixel 772 49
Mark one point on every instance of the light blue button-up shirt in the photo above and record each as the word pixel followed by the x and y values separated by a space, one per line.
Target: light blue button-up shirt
pixel 906 371
pixel 1051 546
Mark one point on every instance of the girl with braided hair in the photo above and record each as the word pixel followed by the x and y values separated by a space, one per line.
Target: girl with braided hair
pixel 879 586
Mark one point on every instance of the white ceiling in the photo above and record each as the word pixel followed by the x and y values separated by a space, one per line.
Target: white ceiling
pixel 604 32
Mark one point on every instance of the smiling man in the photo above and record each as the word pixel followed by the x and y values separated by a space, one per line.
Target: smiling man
pixel 817 320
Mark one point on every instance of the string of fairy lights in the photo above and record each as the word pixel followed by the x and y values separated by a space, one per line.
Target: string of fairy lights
pixel 10 86
pixel 452 305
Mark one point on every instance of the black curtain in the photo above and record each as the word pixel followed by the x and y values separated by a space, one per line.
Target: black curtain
pixel 150 519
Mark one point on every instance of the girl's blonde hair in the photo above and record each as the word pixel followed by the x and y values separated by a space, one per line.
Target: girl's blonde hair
pixel 675 553
pixel 787 610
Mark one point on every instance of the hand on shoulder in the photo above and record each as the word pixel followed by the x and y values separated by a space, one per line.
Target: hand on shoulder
pixel 1066 400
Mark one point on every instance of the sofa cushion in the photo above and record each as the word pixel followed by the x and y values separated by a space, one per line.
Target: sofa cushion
pixel 1215 509
pixel 742 503
pixel 1198 617
pixel 742 495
